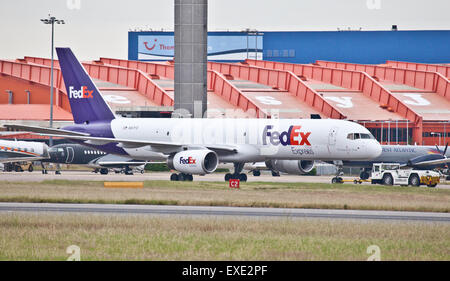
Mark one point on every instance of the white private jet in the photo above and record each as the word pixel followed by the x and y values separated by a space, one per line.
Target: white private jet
pixel 22 151
pixel 196 146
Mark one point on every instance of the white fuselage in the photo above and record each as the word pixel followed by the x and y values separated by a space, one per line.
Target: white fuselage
pixel 16 151
pixel 254 139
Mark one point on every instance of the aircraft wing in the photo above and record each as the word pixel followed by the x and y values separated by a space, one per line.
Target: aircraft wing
pixel 164 147
pixel 121 163
pixel 433 162
pixel 43 130
pixel 20 159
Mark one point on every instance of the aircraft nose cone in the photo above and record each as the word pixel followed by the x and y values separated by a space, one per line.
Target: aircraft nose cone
pixel 45 152
pixel 375 150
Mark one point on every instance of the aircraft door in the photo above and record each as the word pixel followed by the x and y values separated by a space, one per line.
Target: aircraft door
pixel 332 136
pixel 70 155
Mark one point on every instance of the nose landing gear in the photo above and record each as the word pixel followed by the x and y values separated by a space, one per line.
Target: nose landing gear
pixel 339 173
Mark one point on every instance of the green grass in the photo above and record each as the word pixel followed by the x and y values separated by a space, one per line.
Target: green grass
pixel 116 237
pixel 253 186
pixel 254 194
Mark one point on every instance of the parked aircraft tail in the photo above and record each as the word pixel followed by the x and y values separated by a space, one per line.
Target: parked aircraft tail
pixel 85 100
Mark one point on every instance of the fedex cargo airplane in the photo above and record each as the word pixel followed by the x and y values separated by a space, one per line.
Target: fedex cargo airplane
pixel 196 145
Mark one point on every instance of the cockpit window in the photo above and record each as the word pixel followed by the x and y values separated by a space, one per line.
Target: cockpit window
pixel 356 136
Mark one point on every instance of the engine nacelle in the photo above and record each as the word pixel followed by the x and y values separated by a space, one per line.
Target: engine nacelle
pixel 199 162
pixel 294 167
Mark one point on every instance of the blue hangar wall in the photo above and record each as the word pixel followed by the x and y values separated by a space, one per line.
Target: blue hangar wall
pixel 372 47
pixel 222 46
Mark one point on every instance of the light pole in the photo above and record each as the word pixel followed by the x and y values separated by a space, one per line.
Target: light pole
pixel 439 134
pixel 52 20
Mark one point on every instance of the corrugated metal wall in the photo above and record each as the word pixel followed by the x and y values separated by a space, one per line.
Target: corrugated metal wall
pixel 372 47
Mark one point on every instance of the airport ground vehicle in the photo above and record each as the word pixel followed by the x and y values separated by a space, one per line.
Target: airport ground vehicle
pixel 392 174
pixel 18 167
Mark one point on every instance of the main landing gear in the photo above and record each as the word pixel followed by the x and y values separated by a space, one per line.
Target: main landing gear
pixel 237 175
pixel 104 171
pixel 256 173
pixel 128 171
pixel 181 177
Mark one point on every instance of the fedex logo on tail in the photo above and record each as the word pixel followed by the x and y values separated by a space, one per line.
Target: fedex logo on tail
pixel 291 137
pixel 83 93
pixel 187 161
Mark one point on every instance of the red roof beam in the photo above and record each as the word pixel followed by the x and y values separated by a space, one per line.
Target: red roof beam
pixel 163 70
pixel 347 79
pixel 281 80
pixel 430 81
pixel 351 79
pixel 223 88
pixel 132 78
pixel 439 68
pixel 114 74
pixel 216 82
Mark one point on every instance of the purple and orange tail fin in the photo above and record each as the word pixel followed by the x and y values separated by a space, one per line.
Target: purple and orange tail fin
pixel 86 102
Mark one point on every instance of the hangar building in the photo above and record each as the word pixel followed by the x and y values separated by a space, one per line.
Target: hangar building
pixel 342 75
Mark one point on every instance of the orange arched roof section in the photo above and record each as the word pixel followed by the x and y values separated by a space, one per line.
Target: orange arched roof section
pixel 430 81
pixel 281 80
pixel 439 68
pixel 41 61
pixel 163 70
pixel 39 91
pixel 222 87
pixel 348 79
pixel 35 73
pixel 33 112
pixel 216 82
pixel 133 78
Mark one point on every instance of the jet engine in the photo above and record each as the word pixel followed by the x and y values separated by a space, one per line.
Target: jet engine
pixel 202 161
pixel 295 167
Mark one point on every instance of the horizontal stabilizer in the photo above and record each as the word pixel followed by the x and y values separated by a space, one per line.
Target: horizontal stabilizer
pixel 43 130
pixel 20 159
pixel 433 162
